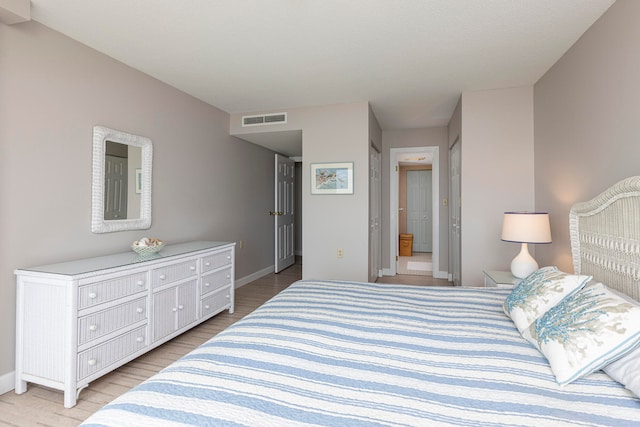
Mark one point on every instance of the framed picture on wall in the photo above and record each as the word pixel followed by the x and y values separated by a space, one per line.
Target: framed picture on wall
pixel 332 178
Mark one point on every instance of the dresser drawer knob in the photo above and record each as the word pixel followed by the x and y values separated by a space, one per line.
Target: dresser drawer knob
pixel 162 277
pixel 92 362
pixel 228 296
pixel 175 309
pixel 206 285
pixel 207 307
pixel 229 257
pixel 93 327
pixel 92 295
pixel 181 307
pixel 192 267
pixel 207 264
pixel 140 283
pixel 228 276
pixel 140 339
pixel 139 310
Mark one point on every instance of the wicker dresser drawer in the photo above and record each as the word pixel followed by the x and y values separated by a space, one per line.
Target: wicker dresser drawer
pixel 101 356
pixel 215 302
pixel 173 273
pixel 218 260
pixel 99 324
pixel 214 281
pixel 99 292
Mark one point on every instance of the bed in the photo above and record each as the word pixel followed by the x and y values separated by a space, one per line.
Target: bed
pixel 335 353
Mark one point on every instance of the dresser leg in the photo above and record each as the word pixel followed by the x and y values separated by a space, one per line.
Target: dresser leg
pixel 70 398
pixel 21 386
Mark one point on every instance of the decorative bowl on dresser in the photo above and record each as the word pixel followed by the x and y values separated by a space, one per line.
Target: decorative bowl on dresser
pixel 79 320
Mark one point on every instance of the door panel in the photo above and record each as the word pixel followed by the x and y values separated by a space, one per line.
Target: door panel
pixel 187 303
pixel 419 209
pixel 375 237
pixel 164 316
pixel 284 212
pixel 115 188
pixel 455 232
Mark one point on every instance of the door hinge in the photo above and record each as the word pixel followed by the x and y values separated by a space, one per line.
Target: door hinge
pixel 396 257
pixel 396 168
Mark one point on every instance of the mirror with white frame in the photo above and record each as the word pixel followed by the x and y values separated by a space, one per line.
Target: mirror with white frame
pixel 121 198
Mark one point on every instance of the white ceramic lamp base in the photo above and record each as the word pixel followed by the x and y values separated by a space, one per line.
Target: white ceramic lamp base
pixel 523 264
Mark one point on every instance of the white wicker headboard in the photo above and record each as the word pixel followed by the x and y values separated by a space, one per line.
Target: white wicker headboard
pixel 605 237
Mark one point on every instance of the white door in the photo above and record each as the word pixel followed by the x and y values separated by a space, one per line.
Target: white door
pixel 419 209
pixel 284 213
pixel 115 187
pixel 375 238
pixel 455 199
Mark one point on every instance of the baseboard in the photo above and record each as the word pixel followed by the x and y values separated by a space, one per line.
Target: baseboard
pixel 7 382
pixel 436 275
pixel 441 275
pixel 254 276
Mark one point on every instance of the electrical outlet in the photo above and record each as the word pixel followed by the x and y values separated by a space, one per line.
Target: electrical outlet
pixel 445 202
pixel 340 253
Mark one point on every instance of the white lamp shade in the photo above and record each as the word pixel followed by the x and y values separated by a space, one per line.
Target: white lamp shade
pixel 526 227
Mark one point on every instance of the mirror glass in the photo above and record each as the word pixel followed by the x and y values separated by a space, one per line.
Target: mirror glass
pixel 121 197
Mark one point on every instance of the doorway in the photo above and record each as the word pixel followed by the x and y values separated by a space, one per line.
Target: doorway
pixel 422 157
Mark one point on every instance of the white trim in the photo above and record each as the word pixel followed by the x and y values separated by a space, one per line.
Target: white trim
pixel 7 382
pixel 393 205
pixel 254 276
pixel 441 275
pixel 102 134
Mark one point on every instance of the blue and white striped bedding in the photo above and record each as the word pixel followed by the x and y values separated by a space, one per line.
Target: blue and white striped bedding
pixel 352 354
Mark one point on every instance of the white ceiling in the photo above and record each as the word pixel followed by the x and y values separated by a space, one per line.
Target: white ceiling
pixel 410 59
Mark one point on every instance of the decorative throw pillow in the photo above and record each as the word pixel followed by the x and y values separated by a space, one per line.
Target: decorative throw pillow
pixel 626 371
pixel 538 292
pixel 585 332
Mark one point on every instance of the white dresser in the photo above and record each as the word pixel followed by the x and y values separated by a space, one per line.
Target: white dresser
pixel 79 320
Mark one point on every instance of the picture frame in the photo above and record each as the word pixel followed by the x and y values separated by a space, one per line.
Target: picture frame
pixel 332 178
pixel 138 181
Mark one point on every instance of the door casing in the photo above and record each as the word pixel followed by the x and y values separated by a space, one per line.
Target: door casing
pixel 393 207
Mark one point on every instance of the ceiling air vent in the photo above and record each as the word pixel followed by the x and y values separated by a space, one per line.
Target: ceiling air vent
pixel 264 119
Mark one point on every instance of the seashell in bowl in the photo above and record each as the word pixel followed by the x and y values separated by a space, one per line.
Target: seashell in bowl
pixel 147 246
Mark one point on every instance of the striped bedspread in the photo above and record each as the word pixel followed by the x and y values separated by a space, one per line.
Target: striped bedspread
pixel 361 354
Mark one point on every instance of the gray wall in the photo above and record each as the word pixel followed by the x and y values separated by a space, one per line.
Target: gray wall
pixel 52 92
pixel 333 133
pixel 587 122
pixel 405 138
pixel 496 134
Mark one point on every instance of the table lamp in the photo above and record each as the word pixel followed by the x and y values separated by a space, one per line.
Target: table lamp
pixel 525 228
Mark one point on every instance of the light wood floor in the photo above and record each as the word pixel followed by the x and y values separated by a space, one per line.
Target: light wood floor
pixel 41 406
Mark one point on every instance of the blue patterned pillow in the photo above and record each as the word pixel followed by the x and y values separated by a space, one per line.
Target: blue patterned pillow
pixel 585 332
pixel 538 292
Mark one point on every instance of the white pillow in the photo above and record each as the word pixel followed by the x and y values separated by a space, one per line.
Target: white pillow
pixel 585 332
pixel 538 292
pixel 626 371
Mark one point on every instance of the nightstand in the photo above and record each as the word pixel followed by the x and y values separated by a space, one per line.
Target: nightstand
pixel 503 279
